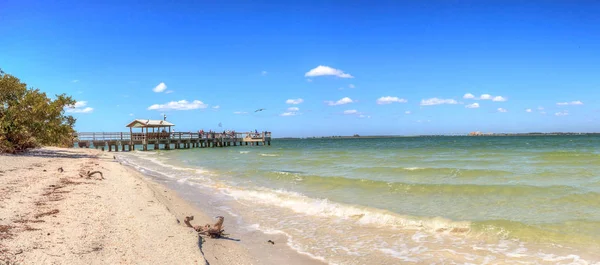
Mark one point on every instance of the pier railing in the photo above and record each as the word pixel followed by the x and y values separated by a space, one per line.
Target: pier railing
pixel 127 137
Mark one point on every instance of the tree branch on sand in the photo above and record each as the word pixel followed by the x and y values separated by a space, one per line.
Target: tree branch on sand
pixel 214 231
pixel 89 174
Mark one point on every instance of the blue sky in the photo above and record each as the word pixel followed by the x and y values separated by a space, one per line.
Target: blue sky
pixel 366 67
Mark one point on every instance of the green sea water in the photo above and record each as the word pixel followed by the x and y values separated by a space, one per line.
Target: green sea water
pixel 408 199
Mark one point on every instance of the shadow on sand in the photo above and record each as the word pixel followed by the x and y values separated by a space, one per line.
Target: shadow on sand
pixel 51 153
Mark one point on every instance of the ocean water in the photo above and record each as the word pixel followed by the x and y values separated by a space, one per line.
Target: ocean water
pixel 478 200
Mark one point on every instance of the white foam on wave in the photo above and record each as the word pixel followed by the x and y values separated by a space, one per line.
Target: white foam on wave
pixel 163 164
pixel 284 173
pixel 269 155
pixel 182 175
pixel 182 180
pixel 244 152
pixel 413 168
pixel 555 258
pixel 517 253
pixel 290 242
pixel 323 207
pixel 403 255
pixel 267 230
pixel 418 236
pixel 227 210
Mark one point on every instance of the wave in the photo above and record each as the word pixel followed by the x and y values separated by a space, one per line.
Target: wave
pixel 572 232
pixel 360 215
pixel 571 157
pixel 182 175
pixel 288 172
pixel 383 219
pixel 434 171
pixel 584 198
pixel 159 162
pixel 420 188
pixel 273 155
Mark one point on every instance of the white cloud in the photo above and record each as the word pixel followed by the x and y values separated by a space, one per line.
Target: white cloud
pixel 407 112
pixel 290 113
pixel 78 107
pixel 562 113
pixel 169 91
pixel 351 86
pixel 308 80
pixel 472 106
pixel 216 107
pixel 326 70
pixel 528 110
pixel 502 110
pixel 85 110
pixel 499 99
pixel 179 105
pixel 240 112
pixel 437 101
pixel 540 108
pixel 577 102
pixel 342 101
pixel 80 104
pixel 130 114
pixel 160 88
pixel 485 96
pixel 294 101
pixel 75 81
pixel 389 100
pixel 264 73
pixel 357 113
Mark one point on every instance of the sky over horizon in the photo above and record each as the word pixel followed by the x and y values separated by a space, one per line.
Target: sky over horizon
pixel 317 68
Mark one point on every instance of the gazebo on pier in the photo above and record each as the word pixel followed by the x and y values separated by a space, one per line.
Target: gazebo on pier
pixel 160 129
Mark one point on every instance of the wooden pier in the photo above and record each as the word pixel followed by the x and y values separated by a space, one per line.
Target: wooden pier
pixel 160 137
pixel 124 141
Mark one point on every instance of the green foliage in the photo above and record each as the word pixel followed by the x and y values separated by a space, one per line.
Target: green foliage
pixel 28 118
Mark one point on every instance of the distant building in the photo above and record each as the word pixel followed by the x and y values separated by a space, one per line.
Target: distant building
pixel 478 133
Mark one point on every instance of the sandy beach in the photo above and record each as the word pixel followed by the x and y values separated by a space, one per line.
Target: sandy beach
pixel 50 214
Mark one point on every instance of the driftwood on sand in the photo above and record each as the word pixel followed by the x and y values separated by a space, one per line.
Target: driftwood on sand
pixel 89 174
pixel 214 231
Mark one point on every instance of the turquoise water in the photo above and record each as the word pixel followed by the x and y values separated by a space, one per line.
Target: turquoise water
pixel 413 199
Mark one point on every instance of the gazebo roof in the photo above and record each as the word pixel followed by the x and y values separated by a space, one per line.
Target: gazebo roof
pixel 139 123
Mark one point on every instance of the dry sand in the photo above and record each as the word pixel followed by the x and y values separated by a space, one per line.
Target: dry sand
pixel 53 217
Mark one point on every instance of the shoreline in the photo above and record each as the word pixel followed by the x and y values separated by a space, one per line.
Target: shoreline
pixel 54 216
pixel 251 248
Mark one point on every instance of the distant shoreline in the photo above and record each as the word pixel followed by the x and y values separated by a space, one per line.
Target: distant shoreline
pixel 442 135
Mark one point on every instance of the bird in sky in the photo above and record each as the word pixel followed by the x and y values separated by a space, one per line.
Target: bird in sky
pixel 259 110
